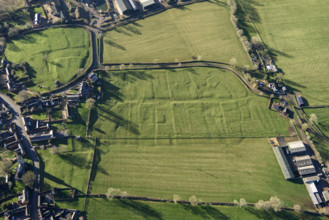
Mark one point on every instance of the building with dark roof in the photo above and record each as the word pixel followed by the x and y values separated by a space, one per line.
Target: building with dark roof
pixel 300 101
pixel 93 77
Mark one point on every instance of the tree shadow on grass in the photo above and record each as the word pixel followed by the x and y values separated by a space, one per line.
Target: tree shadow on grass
pixel 132 29
pixel 75 160
pixel 55 179
pixel 219 3
pixel 121 31
pixel 214 213
pixel 96 167
pixel 113 44
pixel 250 6
pixel 139 208
pixel 112 91
pixel 120 121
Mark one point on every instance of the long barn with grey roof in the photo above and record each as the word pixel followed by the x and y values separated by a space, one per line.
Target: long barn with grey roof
pixel 284 164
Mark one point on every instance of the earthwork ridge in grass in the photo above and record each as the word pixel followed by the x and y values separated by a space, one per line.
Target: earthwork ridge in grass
pixel 53 54
pixel 177 35
pixel 182 103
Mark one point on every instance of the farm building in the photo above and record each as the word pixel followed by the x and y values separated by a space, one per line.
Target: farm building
pixel 314 178
pixel 281 142
pixel 325 195
pixel 93 77
pixel 303 161
pixel 306 170
pixel 296 147
pixel 125 6
pixel 312 190
pixel 300 101
pixel 147 3
pixel 285 167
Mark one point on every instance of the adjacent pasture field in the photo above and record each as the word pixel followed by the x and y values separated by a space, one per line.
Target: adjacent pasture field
pixel 177 34
pixel 210 169
pixel 53 54
pixel 322 114
pixel 296 33
pixel 68 167
pixel 195 102
pixel 10 5
pixel 125 209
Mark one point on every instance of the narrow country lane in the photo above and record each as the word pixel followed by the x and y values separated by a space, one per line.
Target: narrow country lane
pixel 29 151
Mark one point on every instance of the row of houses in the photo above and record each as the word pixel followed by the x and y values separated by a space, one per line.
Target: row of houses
pixel 38 104
pixel 9 140
pixel 38 130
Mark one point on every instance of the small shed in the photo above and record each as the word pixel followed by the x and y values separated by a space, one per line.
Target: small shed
pixel 296 147
pixel 300 101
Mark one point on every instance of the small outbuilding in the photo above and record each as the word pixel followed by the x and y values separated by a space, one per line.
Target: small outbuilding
pixel 300 101
pixel 325 195
pixel 296 147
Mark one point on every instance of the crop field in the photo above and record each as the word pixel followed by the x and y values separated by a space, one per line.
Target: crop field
pixel 296 35
pixel 68 167
pixel 211 169
pixel 53 54
pixel 178 35
pixel 198 102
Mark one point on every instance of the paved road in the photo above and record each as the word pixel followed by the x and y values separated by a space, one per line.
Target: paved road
pixel 29 151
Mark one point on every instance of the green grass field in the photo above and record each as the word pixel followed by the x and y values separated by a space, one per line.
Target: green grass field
pixel 53 54
pixel 295 32
pixel 198 102
pixel 69 168
pixel 323 123
pixel 10 5
pixel 210 169
pixel 179 34
pixel 125 209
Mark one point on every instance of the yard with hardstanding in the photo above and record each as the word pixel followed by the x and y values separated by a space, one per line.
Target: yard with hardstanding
pixel 177 35
pixel 295 33
pixel 53 54
pixel 193 102
pixel 210 169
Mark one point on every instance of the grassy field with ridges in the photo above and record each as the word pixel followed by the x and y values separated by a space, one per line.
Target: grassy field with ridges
pixel 177 34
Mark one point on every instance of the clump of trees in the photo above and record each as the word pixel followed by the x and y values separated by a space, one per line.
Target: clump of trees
pixel 28 179
pixel 194 201
pixel 176 198
pixel 241 203
pixel 247 45
pixel 113 192
pixel 273 203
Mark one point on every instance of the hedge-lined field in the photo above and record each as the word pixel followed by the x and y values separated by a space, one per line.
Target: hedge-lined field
pixel 210 169
pixel 296 33
pixel 178 34
pixel 53 54
pixel 195 102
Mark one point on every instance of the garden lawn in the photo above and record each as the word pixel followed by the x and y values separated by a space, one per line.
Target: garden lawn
pixel 53 54
pixel 177 35
pixel 211 169
pixel 70 167
pixel 296 33
pixel 192 102
pixel 125 209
